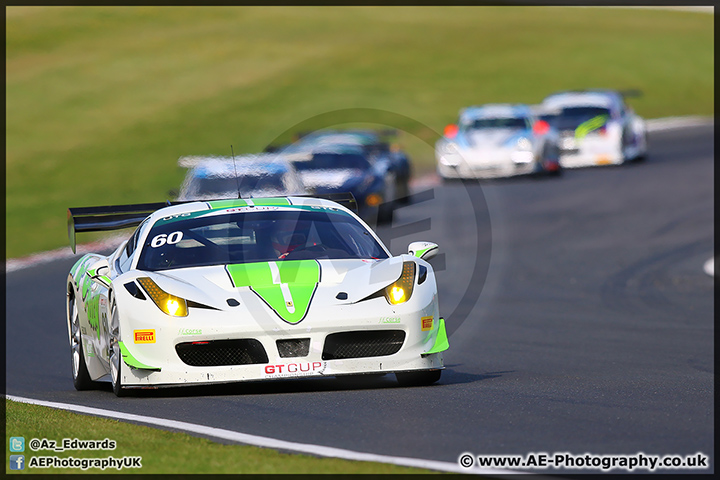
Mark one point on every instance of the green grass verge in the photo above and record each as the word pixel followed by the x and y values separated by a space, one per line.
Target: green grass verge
pixel 162 451
pixel 101 101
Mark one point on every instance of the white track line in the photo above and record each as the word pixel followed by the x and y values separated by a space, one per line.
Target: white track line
pixel 244 438
pixel 658 124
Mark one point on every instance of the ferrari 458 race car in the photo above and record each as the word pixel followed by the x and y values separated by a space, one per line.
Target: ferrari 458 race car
pixel 497 140
pixel 596 127
pixel 248 289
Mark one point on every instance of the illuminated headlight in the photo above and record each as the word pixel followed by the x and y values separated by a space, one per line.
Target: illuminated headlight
pixel 401 290
pixel 373 200
pixel 169 304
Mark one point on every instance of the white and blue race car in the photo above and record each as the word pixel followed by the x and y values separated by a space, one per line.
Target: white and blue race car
pixel 258 175
pixel 596 127
pixel 497 140
pixel 248 289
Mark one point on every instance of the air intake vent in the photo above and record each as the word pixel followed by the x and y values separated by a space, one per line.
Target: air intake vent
pixel 293 347
pixel 364 343
pixel 222 352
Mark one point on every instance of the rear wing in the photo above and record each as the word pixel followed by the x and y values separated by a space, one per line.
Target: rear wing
pixel 99 219
pixel 346 199
pixel 116 217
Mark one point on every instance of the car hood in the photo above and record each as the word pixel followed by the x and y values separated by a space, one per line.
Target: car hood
pixel 329 178
pixel 491 137
pixel 288 287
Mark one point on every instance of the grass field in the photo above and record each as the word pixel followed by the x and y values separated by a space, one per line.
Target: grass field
pixel 101 101
pixel 163 451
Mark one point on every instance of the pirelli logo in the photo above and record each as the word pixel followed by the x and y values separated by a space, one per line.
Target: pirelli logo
pixel 427 323
pixel 144 336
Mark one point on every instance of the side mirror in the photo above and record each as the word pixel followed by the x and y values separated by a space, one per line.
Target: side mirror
pixel 98 272
pixel 424 250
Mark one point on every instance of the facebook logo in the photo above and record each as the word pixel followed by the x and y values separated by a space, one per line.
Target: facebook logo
pixel 17 462
pixel 17 444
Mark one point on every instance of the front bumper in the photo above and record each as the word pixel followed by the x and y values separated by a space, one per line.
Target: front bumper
pixel 589 152
pixel 158 363
pixel 485 163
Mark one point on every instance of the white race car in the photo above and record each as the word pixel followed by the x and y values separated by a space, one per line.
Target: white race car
pixel 596 127
pixel 249 289
pixel 259 175
pixel 497 140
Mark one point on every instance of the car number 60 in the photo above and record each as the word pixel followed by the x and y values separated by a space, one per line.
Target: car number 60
pixel 163 238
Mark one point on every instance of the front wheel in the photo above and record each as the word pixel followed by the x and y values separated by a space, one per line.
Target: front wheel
pixel 115 353
pixel 81 377
pixel 418 379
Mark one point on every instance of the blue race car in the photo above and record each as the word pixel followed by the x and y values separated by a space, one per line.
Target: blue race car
pixel 336 168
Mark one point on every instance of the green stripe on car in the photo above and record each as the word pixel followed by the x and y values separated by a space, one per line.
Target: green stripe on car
pixel 260 202
pixel 441 340
pixel 588 126
pixel 132 361
pixel 287 286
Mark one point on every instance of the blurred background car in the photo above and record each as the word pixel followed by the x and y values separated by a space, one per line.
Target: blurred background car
pixel 497 140
pixel 378 145
pixel 340 168
pixel 596 127
pixel 245 176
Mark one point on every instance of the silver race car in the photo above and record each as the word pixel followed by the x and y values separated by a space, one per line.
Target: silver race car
pixel 249 289
pixel 497 140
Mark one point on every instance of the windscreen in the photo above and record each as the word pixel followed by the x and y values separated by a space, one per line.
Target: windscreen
pixel 333 161
pixel 266 235
pixel 572 117
pixel 218 185
pixel 497 122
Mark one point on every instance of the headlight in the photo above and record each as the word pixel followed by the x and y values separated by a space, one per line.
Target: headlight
pixel 449 154
pixel 169 304
pixel 373 200
pixel 450 148
pixel 401 290
pixel 524 144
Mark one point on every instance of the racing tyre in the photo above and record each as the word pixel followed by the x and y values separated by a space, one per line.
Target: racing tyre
pixel 115 354
pixel 81 377
pixel 402 191
pixel 385 213
pixel 642 156
pixel 418 379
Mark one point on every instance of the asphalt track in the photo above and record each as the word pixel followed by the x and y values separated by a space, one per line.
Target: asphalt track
pixel 580 317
